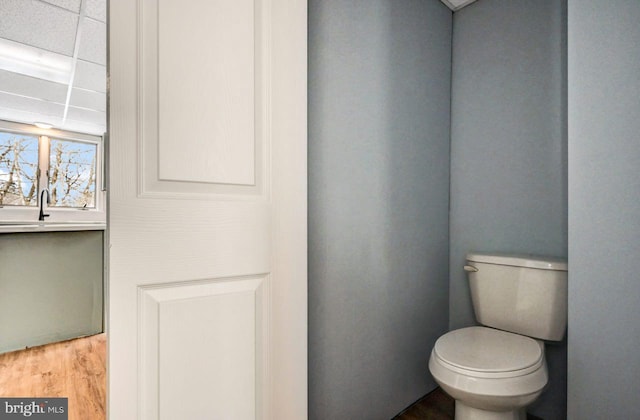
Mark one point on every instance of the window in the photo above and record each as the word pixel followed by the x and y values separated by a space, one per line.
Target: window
pixel 18 169
pixel 72 173
pixel 36 163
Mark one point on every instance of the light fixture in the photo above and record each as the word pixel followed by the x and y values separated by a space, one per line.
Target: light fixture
pixel 31 61
pixel 46 126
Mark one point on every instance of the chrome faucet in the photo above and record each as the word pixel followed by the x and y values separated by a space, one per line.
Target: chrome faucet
pixel 42 215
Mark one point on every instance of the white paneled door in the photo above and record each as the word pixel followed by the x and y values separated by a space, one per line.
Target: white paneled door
pixel 207 261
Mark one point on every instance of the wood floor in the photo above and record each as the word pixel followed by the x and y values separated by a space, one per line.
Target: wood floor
pixel 75 369
pixel 435 406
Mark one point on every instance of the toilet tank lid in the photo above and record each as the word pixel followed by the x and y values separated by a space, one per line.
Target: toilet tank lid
pixel 520 260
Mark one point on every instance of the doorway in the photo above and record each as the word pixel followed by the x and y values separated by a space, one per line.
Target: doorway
pixel 53 195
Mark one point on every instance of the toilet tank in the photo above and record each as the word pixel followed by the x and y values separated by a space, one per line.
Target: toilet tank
pixel 523 294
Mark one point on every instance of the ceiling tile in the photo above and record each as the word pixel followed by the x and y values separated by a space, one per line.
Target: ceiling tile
pixel 96 118
pixel 20 103
pixel 38 24
pixel 90 76
pixel 96 9
pixel 28 117
pixel 73 5
pixel 88 99
pixel 85 121
pixel 22 85
pixel 77 120
pixel 82 127
pixel 93 41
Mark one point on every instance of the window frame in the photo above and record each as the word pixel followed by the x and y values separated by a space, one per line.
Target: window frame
pixel 10 214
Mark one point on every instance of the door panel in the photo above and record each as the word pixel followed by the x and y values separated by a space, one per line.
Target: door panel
pixel 220 125
pixel 213 51
pixel 222 372
pixel 207 218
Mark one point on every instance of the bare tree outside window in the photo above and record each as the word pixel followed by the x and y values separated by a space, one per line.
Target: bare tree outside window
pixel 72 174
pixel 66 165
pixel 18 169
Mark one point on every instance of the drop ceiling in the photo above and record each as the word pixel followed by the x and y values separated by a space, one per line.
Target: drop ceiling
pixel 53 63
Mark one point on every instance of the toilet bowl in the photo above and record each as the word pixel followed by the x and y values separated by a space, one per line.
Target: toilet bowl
pixel 491 374
pixel 495 370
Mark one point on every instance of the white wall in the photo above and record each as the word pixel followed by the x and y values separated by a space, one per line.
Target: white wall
pixel 50 287
pixel 604 209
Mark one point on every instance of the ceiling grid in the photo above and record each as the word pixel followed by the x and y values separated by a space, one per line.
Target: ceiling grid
pixel 53 63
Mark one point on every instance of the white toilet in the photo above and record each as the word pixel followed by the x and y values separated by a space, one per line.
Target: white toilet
pixel 495 371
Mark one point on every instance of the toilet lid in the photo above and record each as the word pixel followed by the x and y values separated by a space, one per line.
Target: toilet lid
pixel 483 349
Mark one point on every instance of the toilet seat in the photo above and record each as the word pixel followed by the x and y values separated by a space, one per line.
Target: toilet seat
pixel 483 352
pixel 489 369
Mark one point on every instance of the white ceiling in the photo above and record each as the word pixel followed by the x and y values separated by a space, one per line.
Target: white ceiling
pixel 457 4
pixel 53 63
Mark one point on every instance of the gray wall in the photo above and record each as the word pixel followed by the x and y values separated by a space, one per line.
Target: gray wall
pixel 379 74
pixel 508 148
pixel 50 287
pixel 604 209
